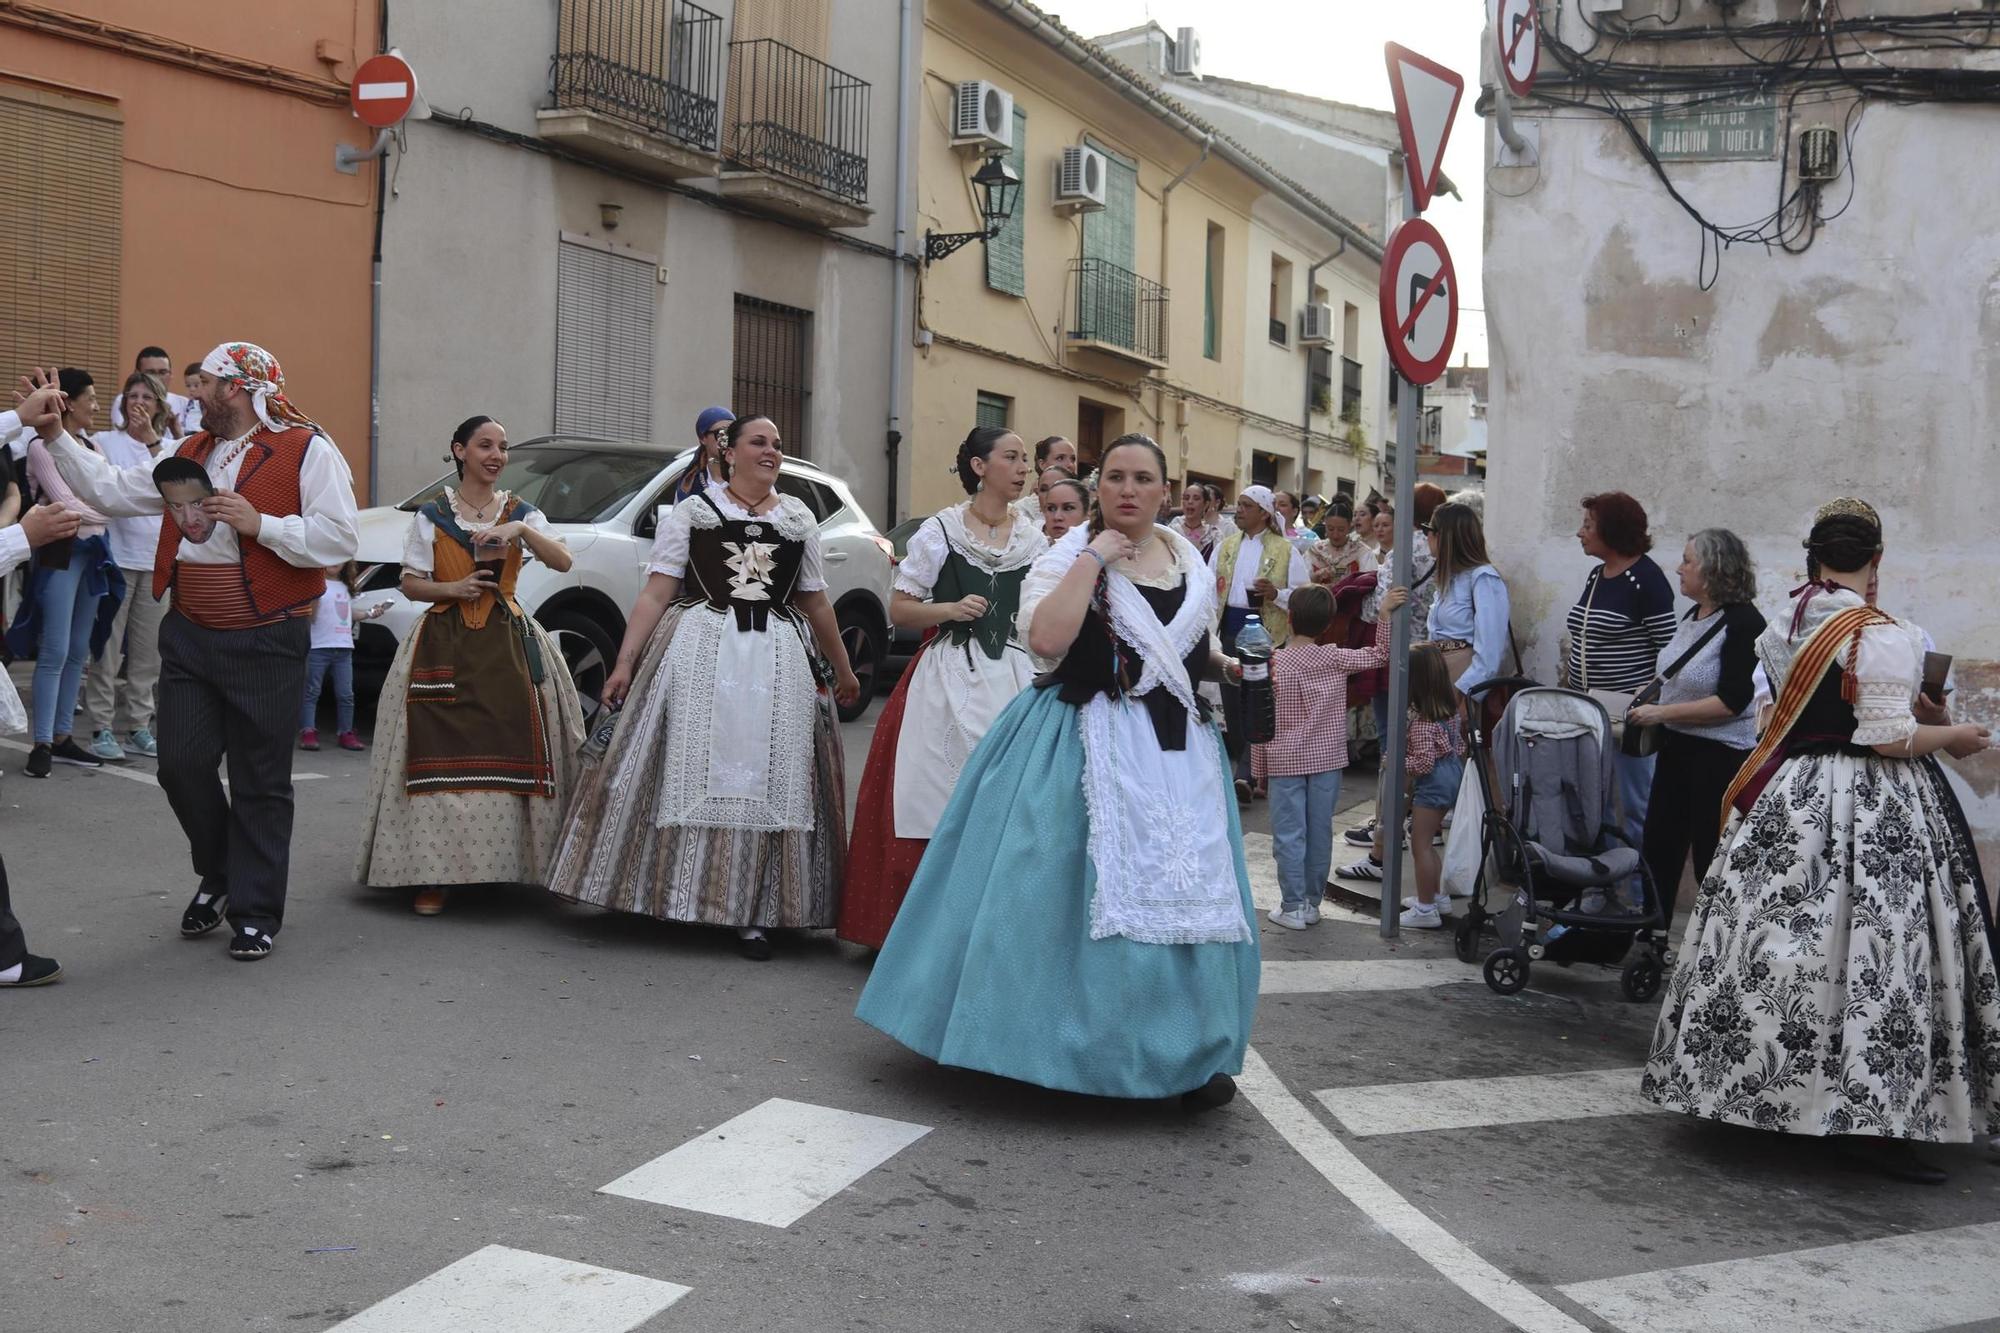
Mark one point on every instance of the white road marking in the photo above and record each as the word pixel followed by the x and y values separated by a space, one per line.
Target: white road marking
pixel 1326 976
pixel 1264 891
pixel 1898 1284
pixel 773 1164
pixel 1462 1103
pixel 140 775
pixel 1389 1210
pixel 501 1290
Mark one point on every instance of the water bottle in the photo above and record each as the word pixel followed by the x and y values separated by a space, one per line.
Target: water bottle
pixel 1260 709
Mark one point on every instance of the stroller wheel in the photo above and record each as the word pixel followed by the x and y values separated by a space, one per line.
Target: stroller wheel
pixel 1641 979
pixel 1465 941
pixel 1507 970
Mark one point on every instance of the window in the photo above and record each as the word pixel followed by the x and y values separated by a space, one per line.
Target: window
pixel 822 501
pixel 1006 254
pixel 61 204
pixel 1281 300
pixel 803 25
pixel 1211 296
pixel 604 343
pixel 772 378
pixel 1108 236
pixel 993 409
pixel 1350 331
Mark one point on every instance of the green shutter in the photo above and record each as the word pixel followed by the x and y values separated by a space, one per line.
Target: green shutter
pixel 1109 302
pixel 1006 257
pixel 991 409
pixel 1209 340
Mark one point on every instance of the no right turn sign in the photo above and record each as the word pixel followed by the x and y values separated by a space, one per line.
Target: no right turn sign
pixel 1419 301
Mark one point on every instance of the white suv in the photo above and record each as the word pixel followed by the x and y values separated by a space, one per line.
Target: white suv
pixel 605 499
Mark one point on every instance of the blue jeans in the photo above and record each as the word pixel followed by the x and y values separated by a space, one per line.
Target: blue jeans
pixel 68 611
pixel 1633 784
pixel 339 662
pixel 1302 835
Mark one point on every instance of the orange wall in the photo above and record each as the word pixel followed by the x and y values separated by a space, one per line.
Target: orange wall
pixel 236 224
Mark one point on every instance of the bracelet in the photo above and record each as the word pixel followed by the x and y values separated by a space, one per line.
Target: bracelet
pixel 1095 556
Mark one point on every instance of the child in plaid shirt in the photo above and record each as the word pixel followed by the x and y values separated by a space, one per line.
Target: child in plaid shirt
pixel 1434 759
pixel 1306 755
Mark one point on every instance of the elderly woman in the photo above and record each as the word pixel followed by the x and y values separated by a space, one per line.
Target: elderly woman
pixel 1622 619
pixel 1703 705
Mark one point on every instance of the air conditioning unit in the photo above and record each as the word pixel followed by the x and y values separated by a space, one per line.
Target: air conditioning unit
pixel 1187 53
pixel 1080 180
pixel 982 117
pixel 1316 325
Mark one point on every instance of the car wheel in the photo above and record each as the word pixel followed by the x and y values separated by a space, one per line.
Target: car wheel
pixel 589 649
pixel 862 638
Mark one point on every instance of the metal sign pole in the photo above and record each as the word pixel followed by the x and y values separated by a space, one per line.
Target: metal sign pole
pixel 1395 782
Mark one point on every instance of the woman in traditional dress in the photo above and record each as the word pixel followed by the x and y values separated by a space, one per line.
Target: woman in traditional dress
pixel 720 797
pixel 479 724
pixel 1065 506
pixel 1837 976
pixel 1101 944
pixel 960 582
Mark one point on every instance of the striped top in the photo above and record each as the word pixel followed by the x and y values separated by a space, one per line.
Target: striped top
pixel 1618 626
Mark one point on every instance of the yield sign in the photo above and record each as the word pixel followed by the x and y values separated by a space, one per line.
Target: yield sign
pixel 1419 301
pixel 382 91
pixel 1426 99
pixel 1519 39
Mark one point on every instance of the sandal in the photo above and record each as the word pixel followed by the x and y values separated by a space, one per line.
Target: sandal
pixel 249 945
pixel 203 914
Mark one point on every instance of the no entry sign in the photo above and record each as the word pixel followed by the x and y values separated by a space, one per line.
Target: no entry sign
pixel 1518 38
pixel 383 90
pixel 1419 301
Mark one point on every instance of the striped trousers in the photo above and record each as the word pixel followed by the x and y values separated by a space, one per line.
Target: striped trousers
pixel 233 695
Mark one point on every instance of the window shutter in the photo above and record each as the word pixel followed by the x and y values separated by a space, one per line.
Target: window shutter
pixel 1108 235
pixel 1006 257
pixel 992 409
pixel 604 344
pixel 62 177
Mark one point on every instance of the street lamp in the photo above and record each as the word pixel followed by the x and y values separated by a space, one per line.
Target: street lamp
pixel 1000 187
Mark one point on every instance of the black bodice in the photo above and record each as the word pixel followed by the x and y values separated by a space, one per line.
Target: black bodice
pixel 1101 663
pixel 744 564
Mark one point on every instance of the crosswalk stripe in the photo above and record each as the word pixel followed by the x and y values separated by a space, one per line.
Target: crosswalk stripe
pixel 1266 894
pixel 1898 1284
pixel 1326 976
pixel 772 1164
pixel 502 1290
pixel 1463 1103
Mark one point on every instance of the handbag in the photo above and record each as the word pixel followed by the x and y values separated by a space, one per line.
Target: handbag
pixel 1637 742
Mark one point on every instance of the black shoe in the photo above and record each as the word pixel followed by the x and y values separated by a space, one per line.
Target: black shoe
pixel 199 919
pixel 36 972
pixel 1243 796
pixel 1218 1091
pixel 249 945
pixel 1894 1159
pixel 757 948
pixel 38 762
pixel 67 751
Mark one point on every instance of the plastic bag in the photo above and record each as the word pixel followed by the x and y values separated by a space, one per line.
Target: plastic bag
pixel 1463 848
pixel 13 717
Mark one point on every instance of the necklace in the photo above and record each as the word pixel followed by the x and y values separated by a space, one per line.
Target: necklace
pixel 994 531
pixel 478 511
pixel 231 450
pixel 749 506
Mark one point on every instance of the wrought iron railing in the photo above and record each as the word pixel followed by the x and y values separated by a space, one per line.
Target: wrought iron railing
pixel 1115 305
pixel 1350 389
pixel 655 64
pixel 796 117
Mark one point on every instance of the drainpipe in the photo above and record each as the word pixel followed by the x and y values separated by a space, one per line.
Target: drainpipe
pixel 899 340
pixel 375 303
pixel 1160 393
pixel 1306 421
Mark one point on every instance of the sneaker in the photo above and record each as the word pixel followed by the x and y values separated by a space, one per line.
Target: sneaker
pixel 1421 916
pixel 105 746
pixel 38 762
pixel 35 972
pixel 1291 918
pixel 1367 870
pixel 1312 914
pixel 141 742
pixel 309 739
pixel 1361 837
pixel 349 741
pixel 67 751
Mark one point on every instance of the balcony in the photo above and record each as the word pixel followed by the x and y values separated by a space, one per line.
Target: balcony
pixel 798 136
pixel 635 83
pixel 1118 314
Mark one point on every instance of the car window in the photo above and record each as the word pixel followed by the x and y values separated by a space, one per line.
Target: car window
pixel 816 497
pixel 568 485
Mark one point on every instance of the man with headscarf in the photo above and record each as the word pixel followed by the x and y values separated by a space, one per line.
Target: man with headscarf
pixel 1255 570
pixel 233 646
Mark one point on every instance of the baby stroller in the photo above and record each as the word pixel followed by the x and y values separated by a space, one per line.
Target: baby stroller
pixel 1545 770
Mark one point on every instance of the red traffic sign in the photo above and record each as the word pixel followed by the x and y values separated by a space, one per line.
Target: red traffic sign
pixel 1427 97
pixel 383 90
pixel 1419 301
pixel 1518 36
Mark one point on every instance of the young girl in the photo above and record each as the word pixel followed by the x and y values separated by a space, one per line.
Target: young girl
pixel 1435 760
pixel 333 654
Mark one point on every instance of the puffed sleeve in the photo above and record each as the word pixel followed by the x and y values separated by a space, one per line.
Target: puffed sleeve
pixel 812 573
pixel 1043 576
pixel 670 543
pixel 918 573
pixel 1886 670
pixel 538 522
pixel 419 549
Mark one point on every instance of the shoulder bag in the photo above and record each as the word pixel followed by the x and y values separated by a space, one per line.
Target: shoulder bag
pixel 1640 741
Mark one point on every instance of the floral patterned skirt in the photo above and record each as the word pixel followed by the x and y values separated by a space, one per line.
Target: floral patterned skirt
pixel 1837 976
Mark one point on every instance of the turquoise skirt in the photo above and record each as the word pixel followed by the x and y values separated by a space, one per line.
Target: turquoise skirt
pixel 990 964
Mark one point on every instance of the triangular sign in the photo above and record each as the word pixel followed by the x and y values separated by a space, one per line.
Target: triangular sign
pixel 1426 96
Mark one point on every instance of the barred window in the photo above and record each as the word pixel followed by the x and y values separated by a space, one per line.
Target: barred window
pixel 773 377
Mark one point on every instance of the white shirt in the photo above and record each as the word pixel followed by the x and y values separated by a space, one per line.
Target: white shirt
pixel 670 547
pixel 419 544
pixel 1249 555
pixel 323 533
pixel 333 618
pixel 13 547
pixel 134 541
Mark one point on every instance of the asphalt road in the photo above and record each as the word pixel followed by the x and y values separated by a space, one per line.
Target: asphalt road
pixel 189 1143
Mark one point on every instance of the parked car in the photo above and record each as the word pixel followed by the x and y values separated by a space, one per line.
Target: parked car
pixel 605 498
pixel 904 642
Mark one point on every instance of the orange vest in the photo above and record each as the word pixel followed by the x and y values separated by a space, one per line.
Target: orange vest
pixel 269 479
